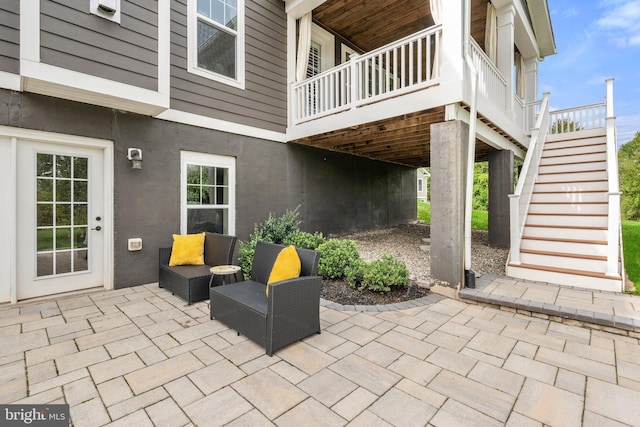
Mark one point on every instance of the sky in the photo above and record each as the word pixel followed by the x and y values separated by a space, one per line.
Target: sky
pixel 595 40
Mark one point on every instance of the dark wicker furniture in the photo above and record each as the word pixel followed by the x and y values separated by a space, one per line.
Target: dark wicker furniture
pixel 191 282
pixel 290 312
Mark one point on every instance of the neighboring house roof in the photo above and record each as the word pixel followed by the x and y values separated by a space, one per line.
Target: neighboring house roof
pixel 541 22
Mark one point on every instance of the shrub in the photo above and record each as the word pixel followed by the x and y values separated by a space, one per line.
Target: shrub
pixel 273 229
pixel 354 273
pixel 335 256
pixel 381 274
pixel 302 239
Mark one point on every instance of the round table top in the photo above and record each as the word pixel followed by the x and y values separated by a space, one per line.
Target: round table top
pixel 224 269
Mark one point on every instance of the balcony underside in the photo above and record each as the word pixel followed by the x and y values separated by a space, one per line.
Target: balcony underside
pixel 404 139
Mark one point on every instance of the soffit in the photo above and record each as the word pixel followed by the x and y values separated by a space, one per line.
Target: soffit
pixel 541 22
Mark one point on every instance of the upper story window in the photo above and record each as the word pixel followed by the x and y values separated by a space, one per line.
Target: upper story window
pixel 216 40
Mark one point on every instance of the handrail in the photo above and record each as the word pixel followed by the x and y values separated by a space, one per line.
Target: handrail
pixel 520 199
pixel 491 83
pixel 614 267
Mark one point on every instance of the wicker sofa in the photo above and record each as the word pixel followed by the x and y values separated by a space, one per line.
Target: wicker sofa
pixel 289 313
pixel 191 282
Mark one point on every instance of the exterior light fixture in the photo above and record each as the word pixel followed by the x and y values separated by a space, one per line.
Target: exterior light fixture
pixel 135 156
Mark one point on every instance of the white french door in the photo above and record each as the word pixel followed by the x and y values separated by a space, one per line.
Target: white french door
pixel 62 217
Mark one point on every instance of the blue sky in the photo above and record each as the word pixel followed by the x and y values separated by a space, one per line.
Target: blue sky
pixel 595 40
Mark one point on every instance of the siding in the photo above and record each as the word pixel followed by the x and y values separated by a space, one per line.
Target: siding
pixel 10 36
pixel 127 53
pixel 263 103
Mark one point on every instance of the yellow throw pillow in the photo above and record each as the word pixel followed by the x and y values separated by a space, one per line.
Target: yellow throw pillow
pixel 286 266
pixel 187 249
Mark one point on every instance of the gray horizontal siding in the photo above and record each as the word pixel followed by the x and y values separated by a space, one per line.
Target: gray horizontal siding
pixel 263 102
pixel 10 36
pixel 72 38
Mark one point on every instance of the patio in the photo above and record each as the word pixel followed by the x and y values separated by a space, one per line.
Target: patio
pixel 140 356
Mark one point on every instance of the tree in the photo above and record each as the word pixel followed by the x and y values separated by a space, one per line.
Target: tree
pixel 629 171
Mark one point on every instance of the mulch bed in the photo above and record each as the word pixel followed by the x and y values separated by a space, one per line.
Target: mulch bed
pixel 340 292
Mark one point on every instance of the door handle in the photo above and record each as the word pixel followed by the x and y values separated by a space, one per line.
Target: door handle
pixel 98 228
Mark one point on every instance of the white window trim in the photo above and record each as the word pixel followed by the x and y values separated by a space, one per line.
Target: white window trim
pixel 192 48
pixel 327 41
pixel 204 159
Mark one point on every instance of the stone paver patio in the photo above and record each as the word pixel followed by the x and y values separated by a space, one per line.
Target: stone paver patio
pixel 140 356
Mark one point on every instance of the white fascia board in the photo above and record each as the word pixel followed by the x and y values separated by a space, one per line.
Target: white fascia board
pixel 432 97
pixel 298 8
pixel 487 135
pixel 9 81
pixel 67 84
pixel 220 125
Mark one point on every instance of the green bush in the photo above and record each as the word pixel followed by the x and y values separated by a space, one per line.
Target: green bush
pixel 380 275
pixel 302 239
pixel 335 256
pixel 354 273
pixel 273 229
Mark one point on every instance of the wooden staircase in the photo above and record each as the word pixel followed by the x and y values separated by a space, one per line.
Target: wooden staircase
pixel 565 235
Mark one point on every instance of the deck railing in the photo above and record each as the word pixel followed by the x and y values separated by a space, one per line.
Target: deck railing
pixel 491 83
pixel 404 66
pixel 519 201
pixel 580 118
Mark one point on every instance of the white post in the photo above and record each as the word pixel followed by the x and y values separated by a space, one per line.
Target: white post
pixel 506 37
pixel 613 242
pixel 514 213
pixel 355 82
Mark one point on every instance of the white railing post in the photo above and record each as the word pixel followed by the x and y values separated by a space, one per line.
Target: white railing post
pixel 613 242
pixel 514 213
pixel 355 81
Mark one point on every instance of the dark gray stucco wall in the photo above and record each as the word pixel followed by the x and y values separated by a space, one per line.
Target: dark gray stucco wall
pixel 336 192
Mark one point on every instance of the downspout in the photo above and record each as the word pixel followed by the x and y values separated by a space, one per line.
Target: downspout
pixel 469 275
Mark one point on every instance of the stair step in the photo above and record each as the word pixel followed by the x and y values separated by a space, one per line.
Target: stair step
pixel 570 197
pixel 573 177
pixel 596 156
pixel 569 150
pixel 590 248
pixel 582 136
pixel 578 153
pixel 568 220
pixel 565 232
pixel 565 186
pixel 581 262
pixel 566 271
pixel 594 208
pixel 573 167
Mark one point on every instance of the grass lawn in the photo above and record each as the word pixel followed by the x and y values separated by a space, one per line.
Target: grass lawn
pixel 630 238
pixel 479 219
pixel 631 244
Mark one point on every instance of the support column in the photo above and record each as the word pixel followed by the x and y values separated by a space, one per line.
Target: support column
pixel 449 141
pixel 500 186
pixel 531 87
pixel 506 39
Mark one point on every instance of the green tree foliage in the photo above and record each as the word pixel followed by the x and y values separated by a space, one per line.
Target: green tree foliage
pixel 629 170
pixel 481 186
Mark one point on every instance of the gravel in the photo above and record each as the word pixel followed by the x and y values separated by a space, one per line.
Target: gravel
pixel 410 243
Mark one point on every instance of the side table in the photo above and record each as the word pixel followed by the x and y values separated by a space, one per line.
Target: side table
pixel 223 271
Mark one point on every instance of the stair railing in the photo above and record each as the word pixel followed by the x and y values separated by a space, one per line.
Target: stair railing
pixel 519 201
pixel 613 242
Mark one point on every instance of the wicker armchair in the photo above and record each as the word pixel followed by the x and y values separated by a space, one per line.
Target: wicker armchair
pixel 191 282
pixel 290 312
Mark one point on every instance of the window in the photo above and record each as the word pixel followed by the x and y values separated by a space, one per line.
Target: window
pixel 216 40
pixel 207 193
pixel 420 185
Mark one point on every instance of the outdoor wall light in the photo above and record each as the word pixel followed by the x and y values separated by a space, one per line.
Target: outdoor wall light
pixel 135 156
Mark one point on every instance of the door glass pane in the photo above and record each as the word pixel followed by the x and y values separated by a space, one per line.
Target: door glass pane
pixel 45 215
pixel 79 191
pixel 63 190
pixel 61 214
pixel 63 166
pixel 45 190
